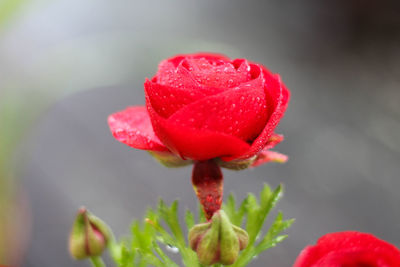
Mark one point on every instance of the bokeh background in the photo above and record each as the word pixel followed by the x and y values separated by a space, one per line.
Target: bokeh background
pixel 66 64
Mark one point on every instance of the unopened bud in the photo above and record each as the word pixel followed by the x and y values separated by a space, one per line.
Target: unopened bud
pixel 89 236
pixel 217 241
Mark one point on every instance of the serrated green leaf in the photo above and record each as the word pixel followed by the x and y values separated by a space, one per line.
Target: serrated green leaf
pixel 145 249
pixel 230 206
pixel 271 243
pixel 127 257
pixel 170 216
pixel 189 219
pixel 202 217
pixel 166 260
pixel 151 259
pixel 235 215
pixel 265 195
pixel 274 198
pixel 257 215
pixel 251 202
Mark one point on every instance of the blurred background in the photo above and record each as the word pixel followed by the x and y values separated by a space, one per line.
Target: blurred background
pixel 65 65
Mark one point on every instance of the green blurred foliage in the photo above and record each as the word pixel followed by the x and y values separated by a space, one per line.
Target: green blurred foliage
pixel 8 10
pixel 161 228
pixel 9 135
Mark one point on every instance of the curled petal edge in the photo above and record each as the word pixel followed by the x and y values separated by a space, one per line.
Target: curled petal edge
pixel 132 127
pixel 283 95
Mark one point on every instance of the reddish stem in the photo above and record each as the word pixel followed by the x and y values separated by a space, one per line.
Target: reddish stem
pixel 208 183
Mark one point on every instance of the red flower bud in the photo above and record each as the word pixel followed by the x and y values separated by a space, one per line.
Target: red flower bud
pixel 89 236
pixel 217 241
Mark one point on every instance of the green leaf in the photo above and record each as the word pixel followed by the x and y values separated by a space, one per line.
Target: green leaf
pixel 258 213
pixel 202 216
pixel 127 256
pixel 235 216
pixel 189 219
pixel 256 216
pixel 170 216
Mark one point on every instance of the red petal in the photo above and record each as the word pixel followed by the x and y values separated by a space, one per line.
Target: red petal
pixel 338 249
pixel 239 112
pixel 278 96
pixel 175 76
pixel 132 127
pixel 266 156
pixel 273 141
pixel 212 57
pixel 166 100
pixel 221 75
pixel 194 143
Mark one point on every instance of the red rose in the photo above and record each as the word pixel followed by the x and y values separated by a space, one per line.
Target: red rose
pixel 205 106
pixel 349 249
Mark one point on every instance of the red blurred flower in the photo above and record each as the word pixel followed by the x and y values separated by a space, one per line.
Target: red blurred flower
pixel 205 106
pixel 349 249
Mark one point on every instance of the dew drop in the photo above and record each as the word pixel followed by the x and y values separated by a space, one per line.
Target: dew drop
pixel 172 249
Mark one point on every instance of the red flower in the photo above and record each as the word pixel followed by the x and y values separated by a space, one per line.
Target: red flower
pixel 349 249
pixel 205 106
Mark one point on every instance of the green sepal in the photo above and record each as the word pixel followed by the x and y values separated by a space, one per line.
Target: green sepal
pixel 236 165
pixel 169 160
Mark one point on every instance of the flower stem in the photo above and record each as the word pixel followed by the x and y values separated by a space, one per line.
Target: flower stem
pixel 207 181
pixel 97 262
